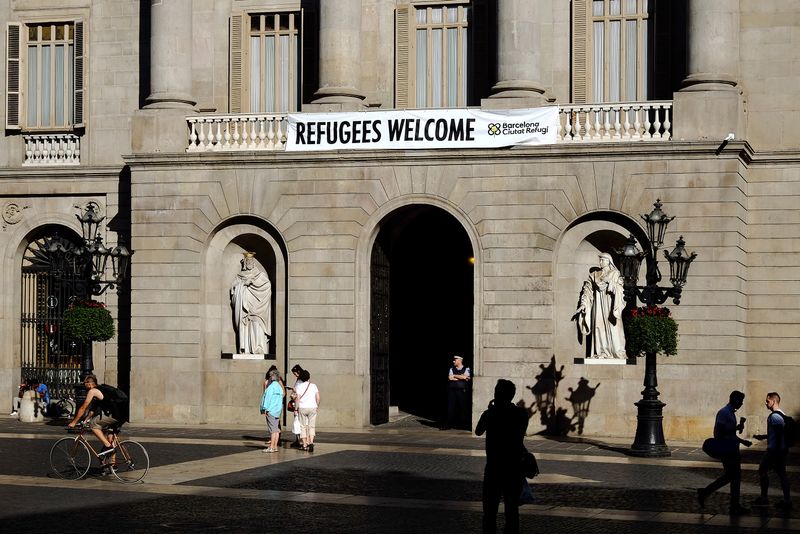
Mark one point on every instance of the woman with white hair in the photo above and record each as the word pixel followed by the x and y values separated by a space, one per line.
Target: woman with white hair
pixel 600 310
pixel 271 407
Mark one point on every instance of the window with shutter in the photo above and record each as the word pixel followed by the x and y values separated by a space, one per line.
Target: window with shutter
pixel 610 50
pixel 46 76
pixel 265 62
pixel 432 51
pixel 432 54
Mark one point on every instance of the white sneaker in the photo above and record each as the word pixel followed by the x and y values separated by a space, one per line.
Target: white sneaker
pixel 15 412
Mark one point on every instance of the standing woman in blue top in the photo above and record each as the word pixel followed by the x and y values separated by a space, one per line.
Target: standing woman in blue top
pixel 271 407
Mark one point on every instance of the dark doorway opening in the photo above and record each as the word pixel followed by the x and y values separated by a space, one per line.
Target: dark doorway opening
pixel 422 310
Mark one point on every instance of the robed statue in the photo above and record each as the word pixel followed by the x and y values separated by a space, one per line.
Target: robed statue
pixel 251 300
pixel 600 306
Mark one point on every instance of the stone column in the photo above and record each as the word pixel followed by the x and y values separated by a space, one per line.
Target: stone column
pixel 709 104
pixel 523 54
pixel 161 125
pixel 170 54
pixel 339 56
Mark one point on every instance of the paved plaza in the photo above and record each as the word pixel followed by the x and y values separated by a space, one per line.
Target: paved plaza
pixel 403 477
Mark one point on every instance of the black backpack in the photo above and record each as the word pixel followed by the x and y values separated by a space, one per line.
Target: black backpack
pixel 789 430
pixel 115 402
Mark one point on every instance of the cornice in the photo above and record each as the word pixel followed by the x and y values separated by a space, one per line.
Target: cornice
pixel 62 173
pixel 740 150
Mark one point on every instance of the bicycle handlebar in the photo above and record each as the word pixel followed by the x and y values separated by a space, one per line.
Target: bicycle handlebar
pixel 77 429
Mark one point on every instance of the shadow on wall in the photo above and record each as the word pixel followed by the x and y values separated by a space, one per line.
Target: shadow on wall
pixel 554 418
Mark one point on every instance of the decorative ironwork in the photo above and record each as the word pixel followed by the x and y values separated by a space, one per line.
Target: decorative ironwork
pixel 379 336
pixel 45 352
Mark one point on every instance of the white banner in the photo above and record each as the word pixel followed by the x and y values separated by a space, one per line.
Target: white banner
pixel 422 129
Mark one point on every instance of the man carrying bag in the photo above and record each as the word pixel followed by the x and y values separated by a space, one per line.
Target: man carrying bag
pixel 724 446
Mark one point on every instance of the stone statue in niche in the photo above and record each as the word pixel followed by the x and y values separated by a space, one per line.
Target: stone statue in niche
pixel 251 300
pixel 600 306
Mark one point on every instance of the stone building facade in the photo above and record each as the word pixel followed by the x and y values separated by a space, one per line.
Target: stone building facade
pixel 385 263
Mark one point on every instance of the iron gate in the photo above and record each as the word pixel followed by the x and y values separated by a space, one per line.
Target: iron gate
pixel 47 289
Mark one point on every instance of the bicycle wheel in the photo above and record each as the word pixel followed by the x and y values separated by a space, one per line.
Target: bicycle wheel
pixel 70 459
pixel 66 408
pixel 130 462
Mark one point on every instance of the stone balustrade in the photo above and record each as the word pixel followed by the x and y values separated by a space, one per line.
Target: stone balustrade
pixel 580 123
pixel 624 121
pixel 209 133
pixel 52 149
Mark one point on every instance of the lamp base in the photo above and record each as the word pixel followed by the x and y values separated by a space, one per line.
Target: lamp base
pixel 649 440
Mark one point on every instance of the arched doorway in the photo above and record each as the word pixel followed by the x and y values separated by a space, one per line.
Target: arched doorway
pixel 46 289
pixel 421 302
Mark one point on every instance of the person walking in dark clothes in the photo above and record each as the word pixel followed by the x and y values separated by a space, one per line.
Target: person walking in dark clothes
pixel 725 428
pixel 458 396
pixel 776 455
pixel 504 424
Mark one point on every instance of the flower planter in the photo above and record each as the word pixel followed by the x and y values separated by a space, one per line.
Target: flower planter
pixel 652 330
pixel 88 320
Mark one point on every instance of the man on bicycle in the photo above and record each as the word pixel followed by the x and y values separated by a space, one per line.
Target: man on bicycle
pixel 93 408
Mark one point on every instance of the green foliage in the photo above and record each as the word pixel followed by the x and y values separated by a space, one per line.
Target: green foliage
pixel 650 329
pixel 88 320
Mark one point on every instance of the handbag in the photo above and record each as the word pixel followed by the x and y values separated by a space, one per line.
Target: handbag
pixel 718 448
pixel 530 467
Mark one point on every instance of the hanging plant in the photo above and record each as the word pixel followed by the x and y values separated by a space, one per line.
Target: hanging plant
pixel 650 329
pixel 88 320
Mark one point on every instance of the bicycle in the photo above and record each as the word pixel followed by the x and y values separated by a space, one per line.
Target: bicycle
pixel 71 458
pixel 64 407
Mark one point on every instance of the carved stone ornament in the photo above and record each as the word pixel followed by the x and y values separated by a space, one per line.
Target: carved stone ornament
pixel 12 213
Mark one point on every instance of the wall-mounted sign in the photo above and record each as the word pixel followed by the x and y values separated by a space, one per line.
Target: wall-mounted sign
pixel 422 129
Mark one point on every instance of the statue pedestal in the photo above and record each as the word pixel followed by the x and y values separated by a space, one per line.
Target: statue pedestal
pixel 604 361
pixel 246 356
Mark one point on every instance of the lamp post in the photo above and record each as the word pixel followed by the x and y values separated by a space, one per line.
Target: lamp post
pixel 82 268
pixel 649 440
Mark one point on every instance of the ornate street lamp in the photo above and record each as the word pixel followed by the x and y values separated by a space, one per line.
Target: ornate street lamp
pixel 82 269
pixel 649 440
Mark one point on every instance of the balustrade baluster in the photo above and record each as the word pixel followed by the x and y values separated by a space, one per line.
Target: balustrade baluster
pixel 218 136
pixel 577 128
pixel 253 133
pixel 626 111
pixel 262 135
pixel 606 122
pixel 192 135
pixel 235 133
pixel 637 124
pixel 657 123
pixel 271 134
pixel 245 144
pixel 646 134
pixel 227 137
pixel 667 124
pixel 201 138
pixel 596 125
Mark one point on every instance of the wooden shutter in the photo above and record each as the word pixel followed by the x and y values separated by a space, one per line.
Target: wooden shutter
pixel 402 53
pixel 236 66
pixel 78 71
pixel 580 40
pixel 12 73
